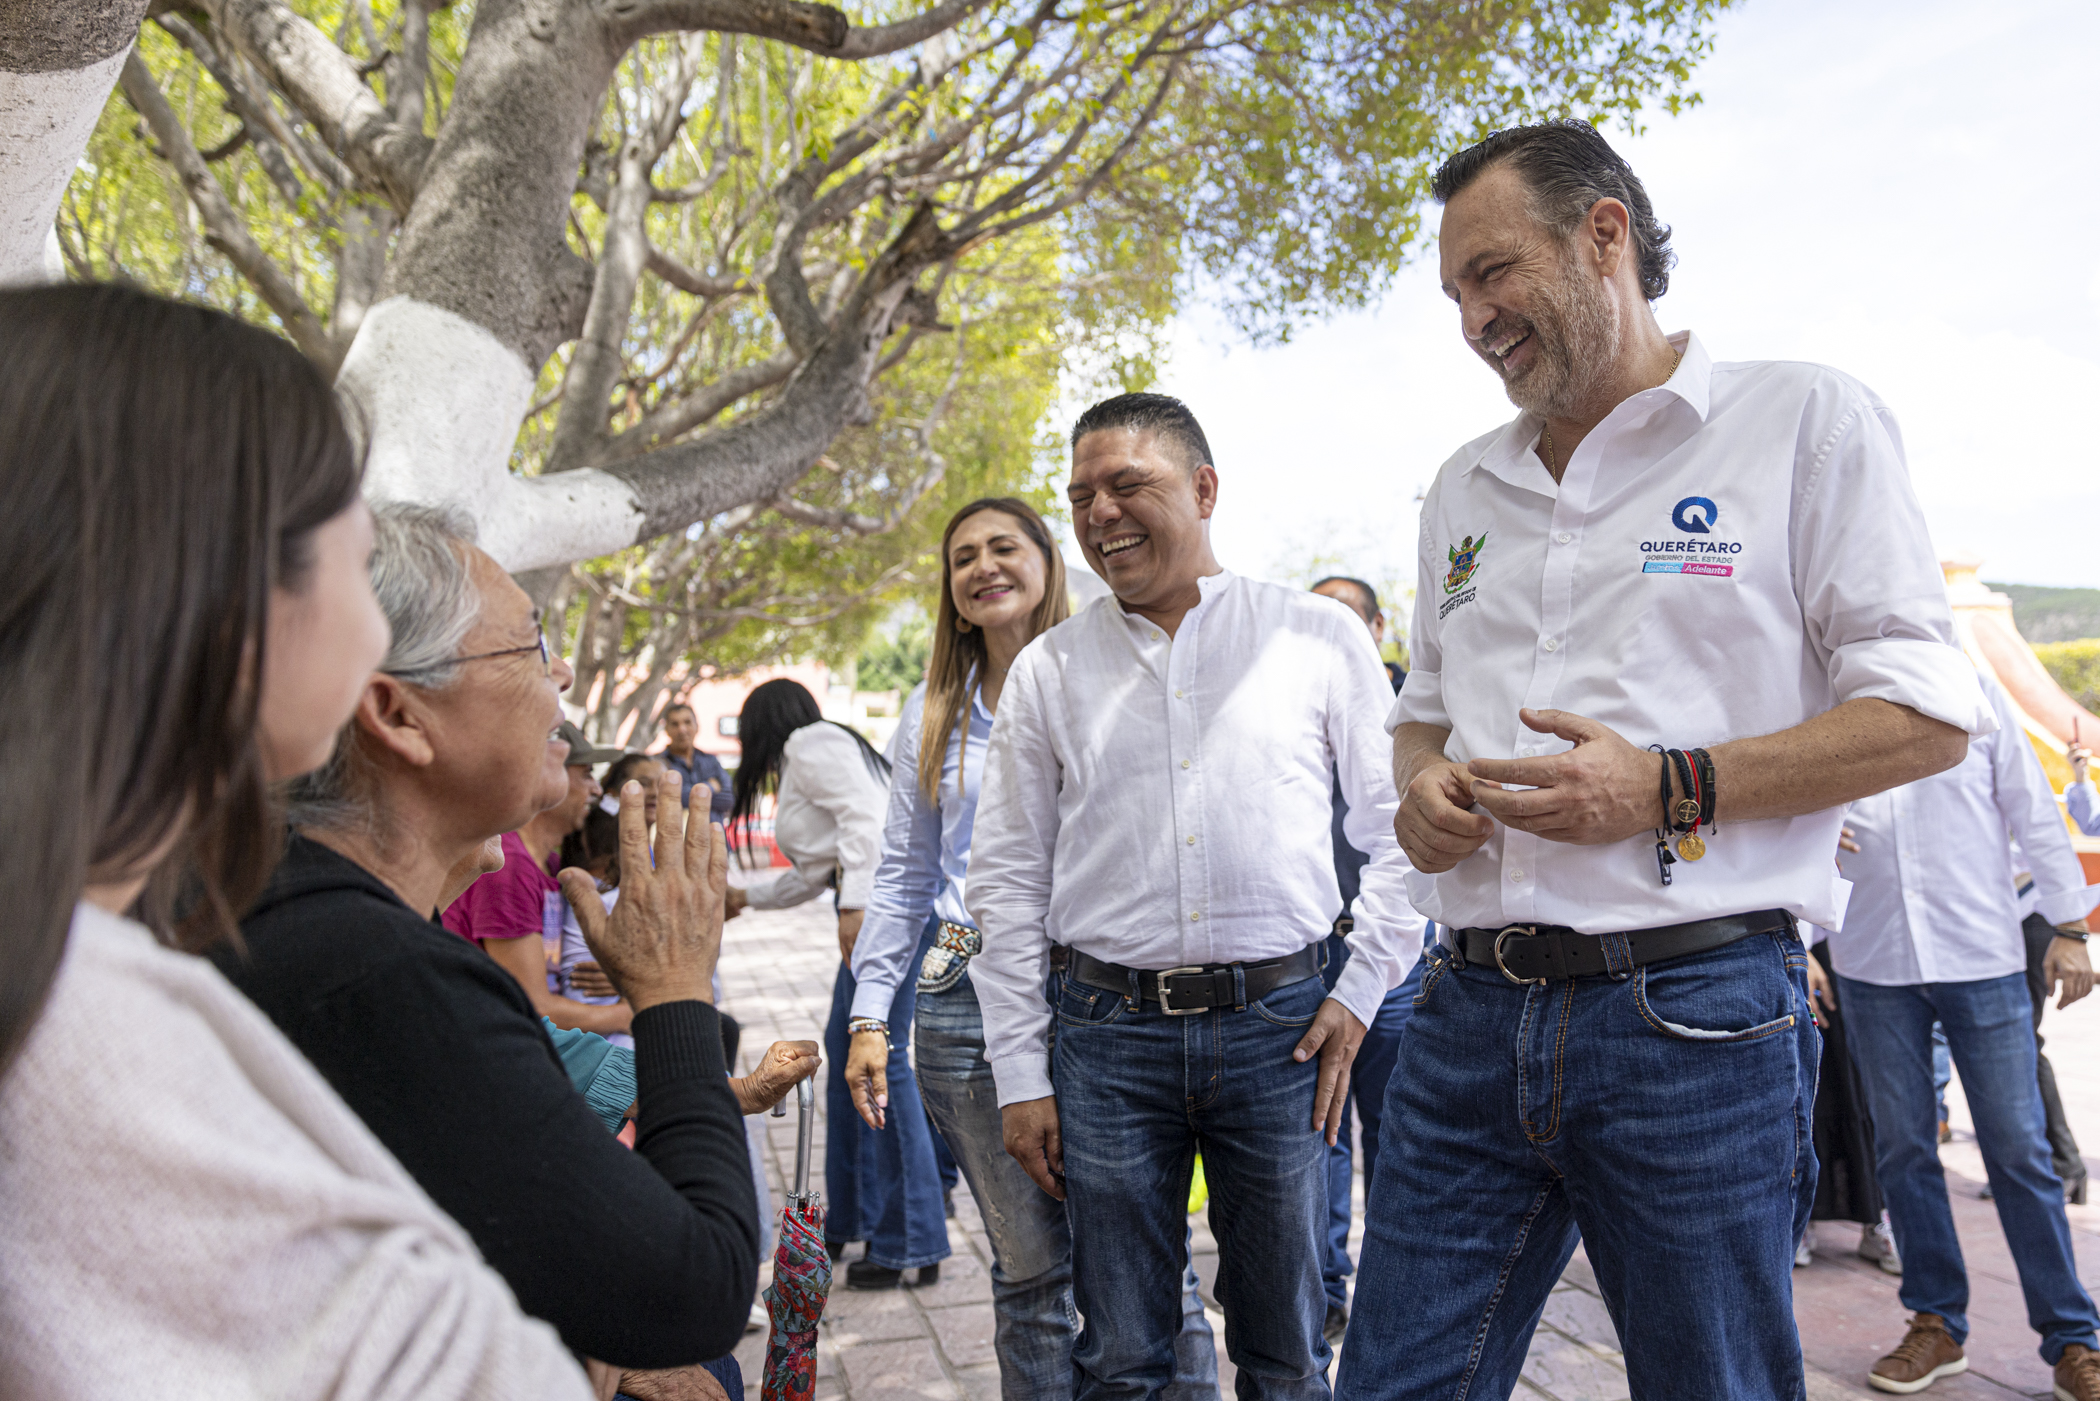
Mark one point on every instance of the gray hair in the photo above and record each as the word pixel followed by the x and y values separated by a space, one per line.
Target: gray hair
pixel 421 578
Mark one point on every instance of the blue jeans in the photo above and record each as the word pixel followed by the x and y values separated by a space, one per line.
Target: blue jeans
pixel 1662 1113
pixel 1990 1030
pixel 881 1186
pixel 1138 1093
pixel 1034 1322
pixel 1367 1084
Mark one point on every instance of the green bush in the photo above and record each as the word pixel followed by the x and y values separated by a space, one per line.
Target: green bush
pixel 2076 667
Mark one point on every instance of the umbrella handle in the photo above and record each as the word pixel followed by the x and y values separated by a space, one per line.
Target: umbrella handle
pixel 806 1105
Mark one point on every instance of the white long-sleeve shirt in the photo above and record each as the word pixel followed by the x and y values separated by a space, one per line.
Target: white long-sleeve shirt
pixel 827 818
pixel 1159 802
pixel 2083 803
pixel 1727 555
pixel 925 850
pixel 1933 899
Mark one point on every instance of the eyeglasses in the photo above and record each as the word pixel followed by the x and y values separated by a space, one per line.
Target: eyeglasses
pixel 539 645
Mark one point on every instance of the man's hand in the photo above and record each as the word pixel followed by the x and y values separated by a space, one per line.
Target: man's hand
pixel 784 1065
pixel 868 1075
pixel 2067 963
pixel 1435 823
pixel 1334 1036
pixel 1820 991
pixel 661 941
pixel 849 933
pixel 1603 790
pixel 590 980
pixel 694 1383
pixel 1033 1141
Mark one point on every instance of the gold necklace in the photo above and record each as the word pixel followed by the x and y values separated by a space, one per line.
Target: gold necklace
pixel 1546 434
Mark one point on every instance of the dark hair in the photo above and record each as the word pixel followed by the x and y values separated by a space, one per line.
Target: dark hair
pixel 1568 167
pixel 1366 595
pixel 598 837
pixel 960 655
pixel 164 468
pixel 623 768
pixel 678 705
pixel 1149 413
pixel 771 713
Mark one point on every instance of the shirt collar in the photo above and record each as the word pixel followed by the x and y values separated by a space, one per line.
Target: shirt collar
pixel 1692 382
pixel 1208 587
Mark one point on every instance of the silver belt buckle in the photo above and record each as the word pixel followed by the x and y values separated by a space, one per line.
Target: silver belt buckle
pixel 1161 984
pixel 1527 931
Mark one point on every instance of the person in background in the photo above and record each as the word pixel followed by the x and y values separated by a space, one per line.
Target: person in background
pixel 1157 794
pixel 189 1209
pixel 594 849
pixel 1002 585
pixel 644 769
pixel 515 915
pixel 702 771
pixel 1933 933
pixel 1373 1069
pixel 646 1260
pixel 830 789
pixel 2080 798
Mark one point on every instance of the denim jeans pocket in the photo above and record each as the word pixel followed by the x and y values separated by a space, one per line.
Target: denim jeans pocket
pixel 1293 1006
pixel 1080 1004
pixel 1740 993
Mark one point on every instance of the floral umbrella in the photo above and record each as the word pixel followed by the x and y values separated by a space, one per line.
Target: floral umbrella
pixel 801 1275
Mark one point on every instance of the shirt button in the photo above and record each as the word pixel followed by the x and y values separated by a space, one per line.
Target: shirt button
pixel 1155 634
pixel 1184 763
pixel 1515 876
pixel 1551 644
pixel 1177 694
pixel 1192 841
pixel 1563 538
pixel 1195 914
pixel 1526 752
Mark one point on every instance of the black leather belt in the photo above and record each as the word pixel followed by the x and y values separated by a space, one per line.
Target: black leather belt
pixel 1182 992
pixel 1537 953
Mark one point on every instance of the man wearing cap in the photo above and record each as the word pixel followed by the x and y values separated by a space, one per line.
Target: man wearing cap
pixel 515 914
pixel 1671 618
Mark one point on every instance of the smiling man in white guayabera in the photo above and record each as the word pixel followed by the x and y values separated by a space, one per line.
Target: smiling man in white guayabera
pixel 1158 800
pixel 1671 619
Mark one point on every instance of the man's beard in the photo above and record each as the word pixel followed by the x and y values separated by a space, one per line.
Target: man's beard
pixel 1577 331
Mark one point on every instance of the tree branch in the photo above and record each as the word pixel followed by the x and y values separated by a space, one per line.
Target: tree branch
pixel 683 415
pixel 323 82
pixel 820 29
pixel 685 279
pixel 223 228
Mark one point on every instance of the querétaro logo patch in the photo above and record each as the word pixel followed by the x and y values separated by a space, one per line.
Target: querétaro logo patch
pixel 1695 515
pixel 1465 558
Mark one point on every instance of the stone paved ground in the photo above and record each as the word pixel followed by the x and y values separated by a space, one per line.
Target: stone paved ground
pixel 936 1344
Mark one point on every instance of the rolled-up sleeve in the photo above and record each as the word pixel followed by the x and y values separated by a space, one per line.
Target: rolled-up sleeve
pixel 1007 887
pixel 1388 932
pixel 1871 590
pixel 906 883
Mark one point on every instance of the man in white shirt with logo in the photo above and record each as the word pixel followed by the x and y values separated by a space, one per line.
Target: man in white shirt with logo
pixel 1670 619
pixel 1157 800
pixel 1933 934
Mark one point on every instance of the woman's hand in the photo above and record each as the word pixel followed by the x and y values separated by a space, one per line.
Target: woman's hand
pixel 849 933
pixel 734 902
pixel 867 1075
pixel 590 980
pixel 1820 991
pixel 784 1065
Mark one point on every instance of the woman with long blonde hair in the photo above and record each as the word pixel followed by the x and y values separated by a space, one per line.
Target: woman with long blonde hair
pixel 1002 586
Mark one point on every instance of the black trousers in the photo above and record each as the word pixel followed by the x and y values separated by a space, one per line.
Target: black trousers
pixel 2063 1147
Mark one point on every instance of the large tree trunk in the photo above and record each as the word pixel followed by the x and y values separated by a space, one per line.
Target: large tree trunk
pixel 58 61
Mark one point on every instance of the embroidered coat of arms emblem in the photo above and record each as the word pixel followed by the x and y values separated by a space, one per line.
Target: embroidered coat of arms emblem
pixel 1465 558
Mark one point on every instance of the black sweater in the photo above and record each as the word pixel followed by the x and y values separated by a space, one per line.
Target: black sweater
pixel 641 1259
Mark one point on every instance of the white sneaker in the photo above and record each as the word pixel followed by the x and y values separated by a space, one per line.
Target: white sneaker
pixel 1878 1243
pixel 1803 1255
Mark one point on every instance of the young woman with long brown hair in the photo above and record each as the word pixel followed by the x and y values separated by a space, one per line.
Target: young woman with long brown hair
pixel 185 1205
pixel 1002 586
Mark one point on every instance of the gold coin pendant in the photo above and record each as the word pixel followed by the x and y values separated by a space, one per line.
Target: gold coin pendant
pixel 1691 847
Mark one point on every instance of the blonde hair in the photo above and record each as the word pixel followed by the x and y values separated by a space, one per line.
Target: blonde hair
pixel 960 655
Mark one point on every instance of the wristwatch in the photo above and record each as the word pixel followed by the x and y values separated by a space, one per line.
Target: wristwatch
pixel 874 1024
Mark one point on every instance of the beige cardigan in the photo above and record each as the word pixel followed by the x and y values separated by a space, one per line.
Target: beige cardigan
pixel 187 1210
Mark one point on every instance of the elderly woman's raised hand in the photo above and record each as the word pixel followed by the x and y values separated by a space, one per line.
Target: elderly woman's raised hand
pixel 785 1064
pixel 660 942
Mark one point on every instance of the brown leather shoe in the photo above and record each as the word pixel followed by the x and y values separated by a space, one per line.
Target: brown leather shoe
pixel 1925 1355
pixel 2078 1374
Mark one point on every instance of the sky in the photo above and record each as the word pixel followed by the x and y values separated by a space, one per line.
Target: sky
pixel 1906 192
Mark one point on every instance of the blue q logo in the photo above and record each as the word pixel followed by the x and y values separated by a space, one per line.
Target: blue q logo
pixel 1695 515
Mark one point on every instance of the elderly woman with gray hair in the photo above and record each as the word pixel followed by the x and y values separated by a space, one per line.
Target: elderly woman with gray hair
pixel 644 1260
